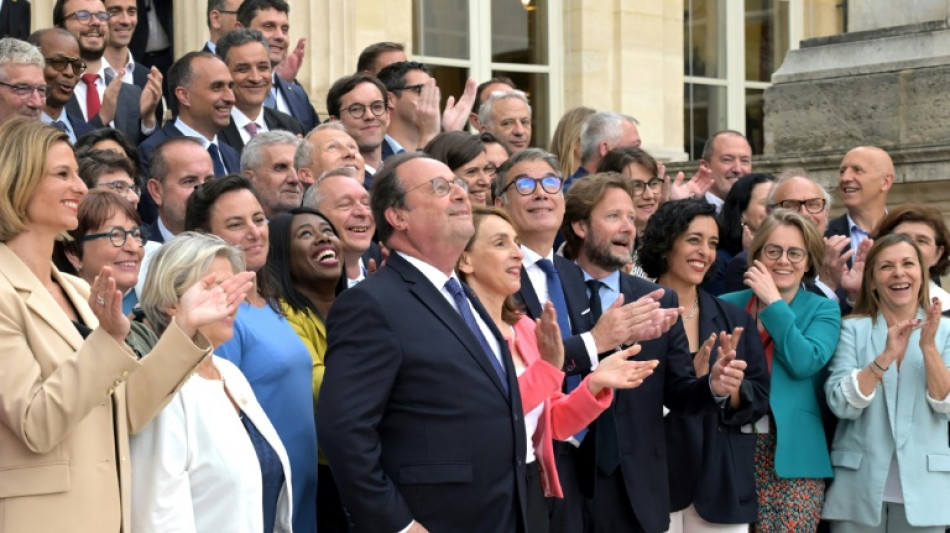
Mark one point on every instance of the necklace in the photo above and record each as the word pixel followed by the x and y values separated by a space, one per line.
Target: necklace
pixel 692 312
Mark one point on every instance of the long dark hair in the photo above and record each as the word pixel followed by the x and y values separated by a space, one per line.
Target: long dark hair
pixel 736 202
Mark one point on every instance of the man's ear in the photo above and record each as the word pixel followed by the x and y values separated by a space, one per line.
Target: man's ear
pixel 155 189
pixel 465 264
pixel 181 93
pixel 396 218
pixel 580 228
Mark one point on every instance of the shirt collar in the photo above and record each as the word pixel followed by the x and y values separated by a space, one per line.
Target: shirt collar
pixel 531 257
pixel 241 120
pixel 188 131
pixel 433 274
pixel 109 70
pixel 611 281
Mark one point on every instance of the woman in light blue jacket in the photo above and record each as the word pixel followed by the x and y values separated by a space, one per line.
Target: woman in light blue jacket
pixel 890 385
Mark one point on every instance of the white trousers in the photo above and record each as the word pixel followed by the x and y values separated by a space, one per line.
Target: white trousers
pixel 689 521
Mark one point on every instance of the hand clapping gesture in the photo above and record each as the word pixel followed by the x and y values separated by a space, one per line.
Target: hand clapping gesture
pixel 616 371
pixel 548 334
pixel 106 303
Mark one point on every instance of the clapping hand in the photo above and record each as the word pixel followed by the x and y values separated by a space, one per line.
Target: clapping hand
pixel 106 303
pixel 456 113
pixel 548 334
pixel 851 278
pixel 728 372
pixel 427 119
pixel 696 187
pixel 206 302
pixel 616 371
pixel 928 330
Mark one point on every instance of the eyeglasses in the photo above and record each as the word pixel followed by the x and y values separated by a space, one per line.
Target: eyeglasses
pixel 358 110
pixel 59 63
pixel 227 12
pixel 84 16
pixel 117 236
pixel 471 173
pixel 414 88
pixel 120 186
pixel 24 90
pixel 812 205
pixel 526 185
pixel 655 185
pixel 442 186
pixel 774 252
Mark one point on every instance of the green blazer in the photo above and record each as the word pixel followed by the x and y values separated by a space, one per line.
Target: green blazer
pixel 805 334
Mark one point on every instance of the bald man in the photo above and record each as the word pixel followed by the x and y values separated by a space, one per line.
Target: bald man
pixel 865 176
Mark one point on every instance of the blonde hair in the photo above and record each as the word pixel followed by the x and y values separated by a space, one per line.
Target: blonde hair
pixel 178 265
pixel 814 244
pixel 24 145
pixel 567 137
pixel 869 302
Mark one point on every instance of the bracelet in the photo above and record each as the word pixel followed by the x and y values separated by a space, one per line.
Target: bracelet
pixel 879 367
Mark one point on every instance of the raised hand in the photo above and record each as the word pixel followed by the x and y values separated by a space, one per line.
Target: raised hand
pixel 290 66
pixel 371 266
pixel 696 187
pixel 548 334
pixel 928 330
pixel 617 372
pixel 898 336
pixel 701 360
pixel 456 113
pixel 106 303
pixel 727 373
pixel 206 302
pixel 110 99
pixel 835 265
pixel 851 278
pixel 427 119
pixel 151 94
pixel 758 279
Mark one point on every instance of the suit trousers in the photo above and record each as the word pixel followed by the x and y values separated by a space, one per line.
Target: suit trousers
pixel 893 520
pixel 689 521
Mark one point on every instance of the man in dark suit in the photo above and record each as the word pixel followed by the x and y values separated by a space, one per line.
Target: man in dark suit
pixel 15 19
pixel 221 18
pixel 529 189
pixel 359 103
pixel 865 176
pixel 425 432
pixel 271 18
pixel 61 72
pixel 179 164
pixel 244 51
pixel 123 21
pixel 154 37
pixel 627 477
pixel 100 98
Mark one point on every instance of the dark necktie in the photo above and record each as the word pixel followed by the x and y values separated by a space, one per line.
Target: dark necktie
pixel 60 125
pixel 461 301
pixel 92 95
pixel 607 449
pixel 219 169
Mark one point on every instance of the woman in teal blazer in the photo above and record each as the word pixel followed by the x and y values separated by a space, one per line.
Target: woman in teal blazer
pixel 890 386
pixel 799 331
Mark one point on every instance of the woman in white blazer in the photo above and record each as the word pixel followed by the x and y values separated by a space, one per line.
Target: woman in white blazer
pixel 890 386
pixel 211 460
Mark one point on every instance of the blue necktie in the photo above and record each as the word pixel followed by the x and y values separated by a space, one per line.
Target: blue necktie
pixel 606 448
pixel 60 126
pixel 461 301
pixel 219 169
pixel 270 100
pixel 556 295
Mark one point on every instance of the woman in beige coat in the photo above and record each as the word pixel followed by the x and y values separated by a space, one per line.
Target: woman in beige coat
pixel 71 391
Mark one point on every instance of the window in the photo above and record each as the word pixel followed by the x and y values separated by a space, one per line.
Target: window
pixel 730 50
pixel 484 39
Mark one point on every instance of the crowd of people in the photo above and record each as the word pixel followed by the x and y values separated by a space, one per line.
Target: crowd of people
pixel 407 317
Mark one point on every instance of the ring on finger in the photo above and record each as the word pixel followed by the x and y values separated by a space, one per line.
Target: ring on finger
pixel 100 300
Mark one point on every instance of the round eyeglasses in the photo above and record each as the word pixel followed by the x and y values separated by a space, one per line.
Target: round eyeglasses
pixel 526 185
pixel 442 186
pixel 655 185
pixel 377 108
pixel 118 236
pixel 774 252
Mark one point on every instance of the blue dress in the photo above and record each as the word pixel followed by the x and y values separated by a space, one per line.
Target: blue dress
pixel 280 370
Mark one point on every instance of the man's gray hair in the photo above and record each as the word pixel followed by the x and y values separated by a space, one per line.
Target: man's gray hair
pixel 304 156
pixel 17 52
pixel 484 112
pixel 599 127
pixel 253 155
pixel 313 197
pixel 528 154
pixel 787 175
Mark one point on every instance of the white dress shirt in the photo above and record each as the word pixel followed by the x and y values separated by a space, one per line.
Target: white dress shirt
pixel 129 66
pixel 241 121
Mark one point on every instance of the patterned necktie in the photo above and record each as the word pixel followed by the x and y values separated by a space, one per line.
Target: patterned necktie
pixel 93 105
pixel 461 301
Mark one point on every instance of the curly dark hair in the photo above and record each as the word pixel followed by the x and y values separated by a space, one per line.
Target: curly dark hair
pixel 670 221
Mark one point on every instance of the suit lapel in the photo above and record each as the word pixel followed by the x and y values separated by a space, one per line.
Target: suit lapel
pixel 575 292
pixel 710 322
pixel 232 136
pixel 436 303
pixel 527 295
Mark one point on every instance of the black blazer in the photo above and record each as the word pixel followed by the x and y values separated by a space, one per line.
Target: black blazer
pixel 153 233
pixel 413 417
pixel 299 103
pixel 274 119
pixel 638 417
pixel 709 459
pixel 576 358
pixel 128 115
pixel 140 36
pixel 15 19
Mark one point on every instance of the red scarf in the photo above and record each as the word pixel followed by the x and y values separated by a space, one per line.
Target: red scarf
pixel 767 342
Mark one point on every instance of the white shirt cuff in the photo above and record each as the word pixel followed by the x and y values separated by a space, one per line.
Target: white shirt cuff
pixel 403 530
pixel 940 406
pixel 852 393
pixel 591 346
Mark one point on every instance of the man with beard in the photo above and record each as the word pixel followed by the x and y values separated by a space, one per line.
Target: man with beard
pixel 62 71
pixel 626 477
pixel 359 102
pixel 102 99
pixel 244 51
pixel 123 21
pixel 529 189
pixel 22 85
pixel 728 157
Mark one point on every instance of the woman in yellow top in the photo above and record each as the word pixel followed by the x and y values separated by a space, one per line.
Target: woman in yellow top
pixel 306 260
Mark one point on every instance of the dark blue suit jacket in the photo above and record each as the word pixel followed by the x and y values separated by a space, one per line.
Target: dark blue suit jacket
pixel 15 19
pixel 154 234
pixel 709 459
pixel 147 207
pixel 576 358
pixel 299 104
pixel 80 126
pixel 638 417
pixel 413 417
pixel 128 116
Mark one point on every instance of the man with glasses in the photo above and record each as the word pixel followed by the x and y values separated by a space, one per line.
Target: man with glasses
pixel 359 102
pixel 103 99
pixel 105 169
pixel 602 132
pixel 222 18
pixel 62 71
pixel 529 189
pixel 422 419
pixel 23 87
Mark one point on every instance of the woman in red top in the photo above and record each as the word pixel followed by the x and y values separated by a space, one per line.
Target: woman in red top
pixel 491 265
